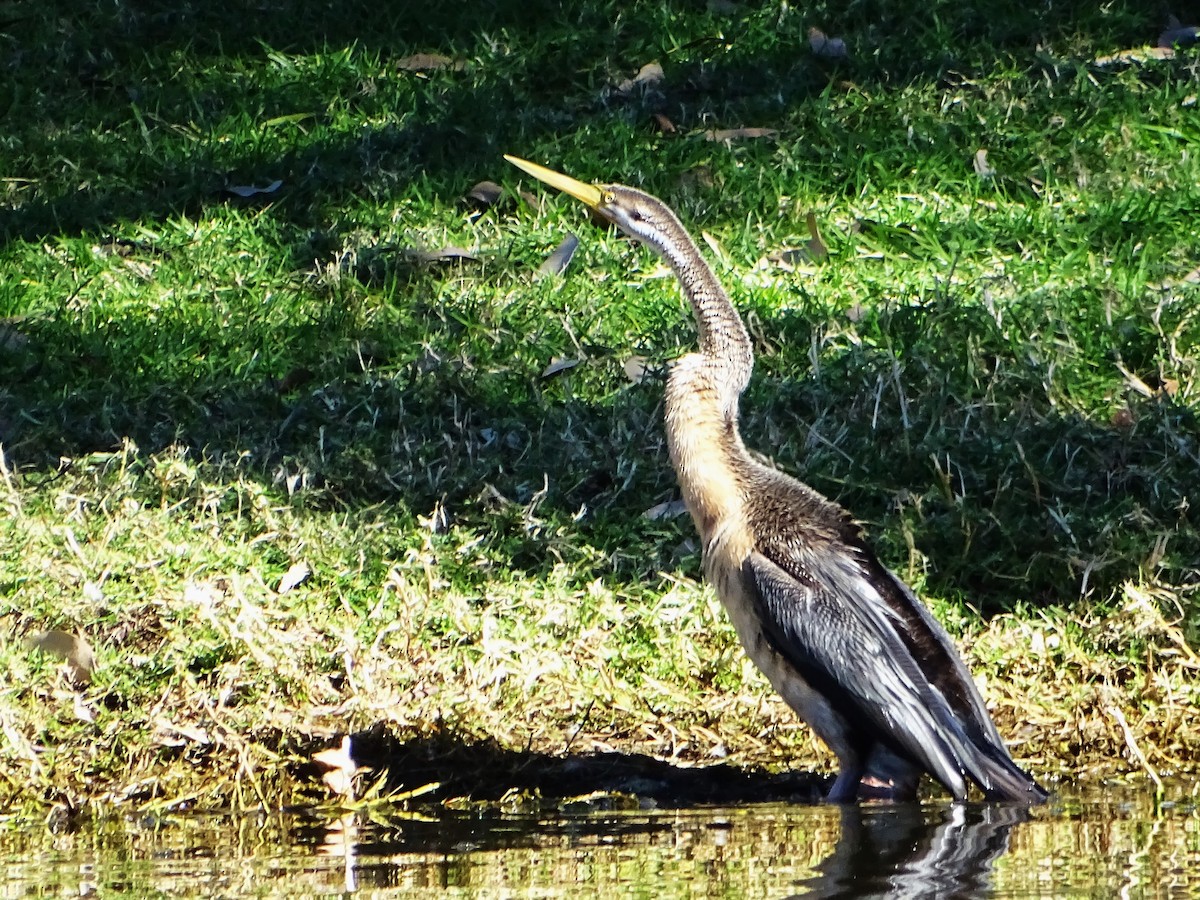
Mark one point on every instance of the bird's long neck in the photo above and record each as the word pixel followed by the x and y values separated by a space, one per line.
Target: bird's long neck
pixel 723 338
pixel 702 393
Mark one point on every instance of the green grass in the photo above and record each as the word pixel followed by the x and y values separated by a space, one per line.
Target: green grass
pixel 998 374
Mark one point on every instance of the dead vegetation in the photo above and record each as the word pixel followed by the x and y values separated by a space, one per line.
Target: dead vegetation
pixel 216 680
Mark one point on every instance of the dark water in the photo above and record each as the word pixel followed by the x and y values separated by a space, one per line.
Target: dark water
pixel 1106 842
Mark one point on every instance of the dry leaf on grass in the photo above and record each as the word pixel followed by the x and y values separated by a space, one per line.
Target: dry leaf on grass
pixel 485 194
pixel 449 253
pixel 293 577
pixel 635 369
pixel 787 258
pixel 668 509
pixel 649 76
pixel 814 249
pixel 559 365
pixel 713 244
pixel 826 47
pixel 728 135
pixel 168 734
pixel 1137 55
pixel 982 167
pixel 83 712
pixel 428 62
pixel 76 653
pixel 665 125
pixel 245 190
pixel 817 248
pixel 556 263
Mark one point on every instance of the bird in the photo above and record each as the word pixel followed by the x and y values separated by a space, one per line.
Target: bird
pixel 843 640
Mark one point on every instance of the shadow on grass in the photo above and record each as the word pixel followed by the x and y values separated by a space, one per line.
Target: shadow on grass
pixel 463 425
pixel 159 137
pixel 1003 498
pixel 485 771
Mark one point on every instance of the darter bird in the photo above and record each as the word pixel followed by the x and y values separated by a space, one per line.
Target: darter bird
pixel 843 640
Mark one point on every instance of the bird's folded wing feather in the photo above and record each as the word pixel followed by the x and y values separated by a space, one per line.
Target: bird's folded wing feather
pixel 976 707
pixel 832 624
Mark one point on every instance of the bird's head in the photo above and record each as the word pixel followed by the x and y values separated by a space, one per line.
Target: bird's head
pixel 635 212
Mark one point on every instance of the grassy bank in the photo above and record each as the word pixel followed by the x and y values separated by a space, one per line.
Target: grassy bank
pixel 292 468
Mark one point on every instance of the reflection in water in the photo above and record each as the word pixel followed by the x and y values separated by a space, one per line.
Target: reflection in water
pixel 1096 844
pixel 904 851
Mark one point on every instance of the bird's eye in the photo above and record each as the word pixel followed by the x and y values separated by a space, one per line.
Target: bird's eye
pixel 610 197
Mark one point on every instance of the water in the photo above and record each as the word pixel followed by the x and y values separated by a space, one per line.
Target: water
pixel 1098 843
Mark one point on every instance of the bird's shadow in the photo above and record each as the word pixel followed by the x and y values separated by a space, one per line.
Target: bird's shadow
pixel 902 849
pixel 483 770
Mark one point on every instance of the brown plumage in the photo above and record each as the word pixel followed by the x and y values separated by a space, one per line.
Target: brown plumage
pixel 842 639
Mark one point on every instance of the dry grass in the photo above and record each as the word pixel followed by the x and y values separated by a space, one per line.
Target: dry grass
pixel 212 689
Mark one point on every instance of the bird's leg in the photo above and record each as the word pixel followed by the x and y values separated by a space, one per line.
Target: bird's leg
pixel 845 786
pixel 887 776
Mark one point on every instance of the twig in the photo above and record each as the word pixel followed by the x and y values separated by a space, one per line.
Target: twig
pixel 1132 744
pixel 6 472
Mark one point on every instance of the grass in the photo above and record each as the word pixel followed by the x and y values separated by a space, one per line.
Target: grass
pixel 198 391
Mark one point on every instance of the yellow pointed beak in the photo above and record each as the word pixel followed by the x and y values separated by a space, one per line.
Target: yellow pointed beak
pixel 581 191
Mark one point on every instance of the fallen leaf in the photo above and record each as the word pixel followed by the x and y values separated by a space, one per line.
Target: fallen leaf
pixel 428 62
pixel 666 510
pixel 1134 382
pixel 649 76
pixel 446 254
pixel 635 369
pixel 1192 277
pixel 338 768
pixel 437 521
pixel 787 258
pixel 243 190
pixel 83 712
pixel 982 167
pixel 486 194
pixel 826 47
pixel 293 577
pixel 816 245
pixel 556 263
pixel 726 135
pixel 76 653
pixel 1141 54
pixel 559 365
pixel 665 125
pixel 168 734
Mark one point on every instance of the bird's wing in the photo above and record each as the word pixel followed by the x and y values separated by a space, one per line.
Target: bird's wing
pixel 971 704
pixel 833 625
pixel 984 757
